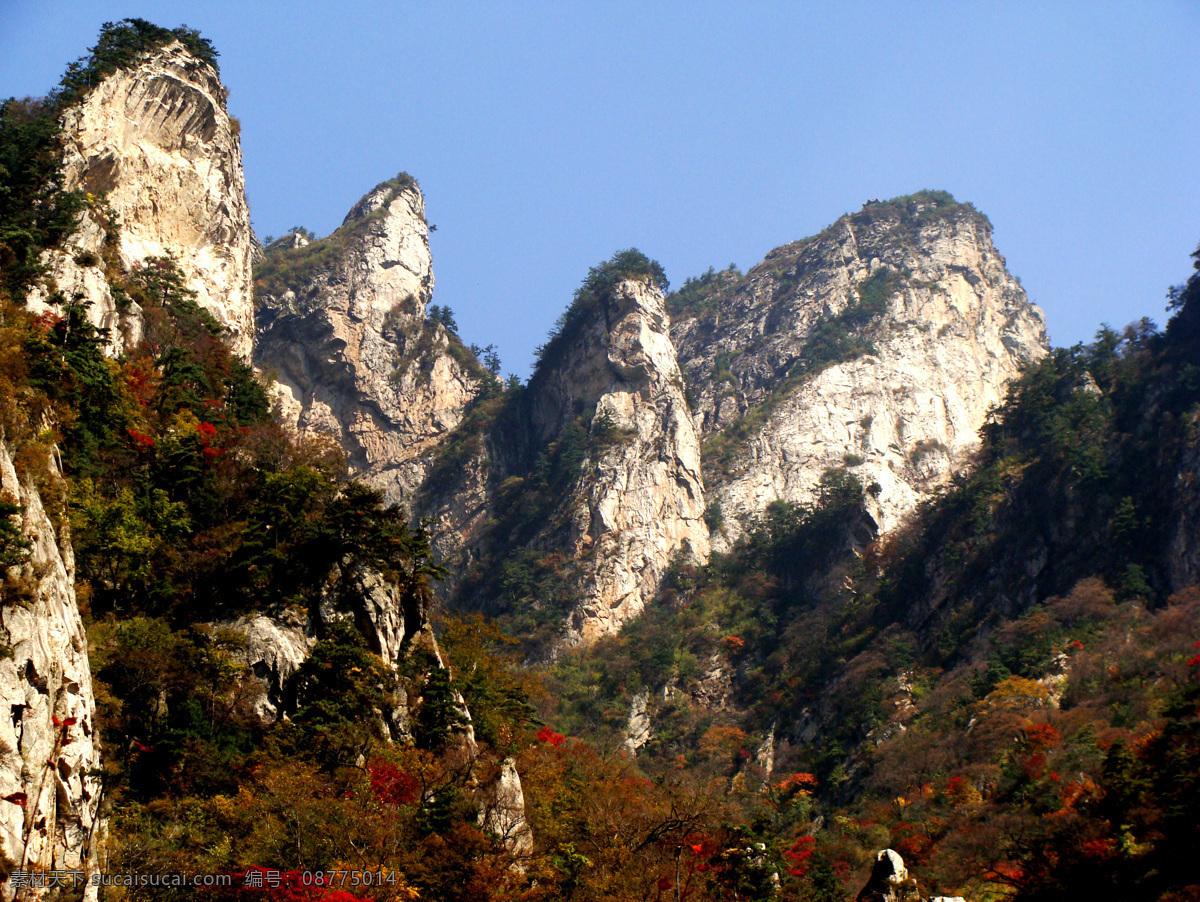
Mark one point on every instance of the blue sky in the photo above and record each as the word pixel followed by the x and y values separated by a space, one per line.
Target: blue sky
pixel 546 136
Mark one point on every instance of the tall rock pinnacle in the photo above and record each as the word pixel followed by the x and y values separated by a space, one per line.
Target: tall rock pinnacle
pixel 342 327
pixel 156 142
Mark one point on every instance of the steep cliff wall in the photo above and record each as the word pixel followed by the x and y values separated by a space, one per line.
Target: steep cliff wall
pixel 49 747
pixel 570 497
pixel 879 345
pixel 342 327
pixel 640 498
pixel 156 142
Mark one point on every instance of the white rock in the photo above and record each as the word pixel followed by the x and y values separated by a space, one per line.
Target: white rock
pixel 49 746
pixel 354 355
pixel 959 330
pixel 637 731
pixel 503 813
pixel 157 142
pixel 642 500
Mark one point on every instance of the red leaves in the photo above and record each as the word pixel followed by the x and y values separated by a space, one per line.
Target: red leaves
pixel 140 440
pixel 1041 736
pixel 207 434
pixel 800 852
pixel 1099 849
pixel 141 383
pixel 391 785
pixel 17 798
pixel 68 722
pixel 1034 765
pixel 1007 872
pixel 1072 792
pixel 45 323
pixel 797 784
pixel 547 735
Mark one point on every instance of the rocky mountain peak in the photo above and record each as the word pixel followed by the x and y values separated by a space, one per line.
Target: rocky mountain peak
pixel 155 146
pixel 342 325
pixel 877 346
pixel 643 499
pixel 607 488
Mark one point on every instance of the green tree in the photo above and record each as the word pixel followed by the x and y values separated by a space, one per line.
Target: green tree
pixel 341 693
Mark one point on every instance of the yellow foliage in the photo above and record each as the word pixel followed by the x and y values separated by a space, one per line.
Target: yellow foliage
pixel 722 740
pixel 1015 693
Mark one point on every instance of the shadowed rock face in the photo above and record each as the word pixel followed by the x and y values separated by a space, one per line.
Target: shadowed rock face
pixel 354 355
pixel 49 749
pixel 393 620
pixel 904 413
pixel 157 143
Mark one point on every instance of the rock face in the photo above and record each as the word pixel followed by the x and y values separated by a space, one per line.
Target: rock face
pixel 890 881
pixel 879 345
pixel 637 731
pixel 640 498
pixel 393 622
pixel 275 647
pixel 503 813
pixel 49 748
pixel 156 142
pixel 342 328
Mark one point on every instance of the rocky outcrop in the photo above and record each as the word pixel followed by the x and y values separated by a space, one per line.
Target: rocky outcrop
pixel 273 648
pixel 342 327
pixel 879 346
pixel 503 812
pixel 157 152
pixel 637 731
pixel 49 748
pixel 393 620
pixel 639 499
pixel 889 881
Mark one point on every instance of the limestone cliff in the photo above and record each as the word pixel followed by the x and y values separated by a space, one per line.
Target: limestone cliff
pixel 49 746
pixel 879 345
pixel 604 486
pixel 342 327
pixel 641 498
pixel 393 620
pixel 155 147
